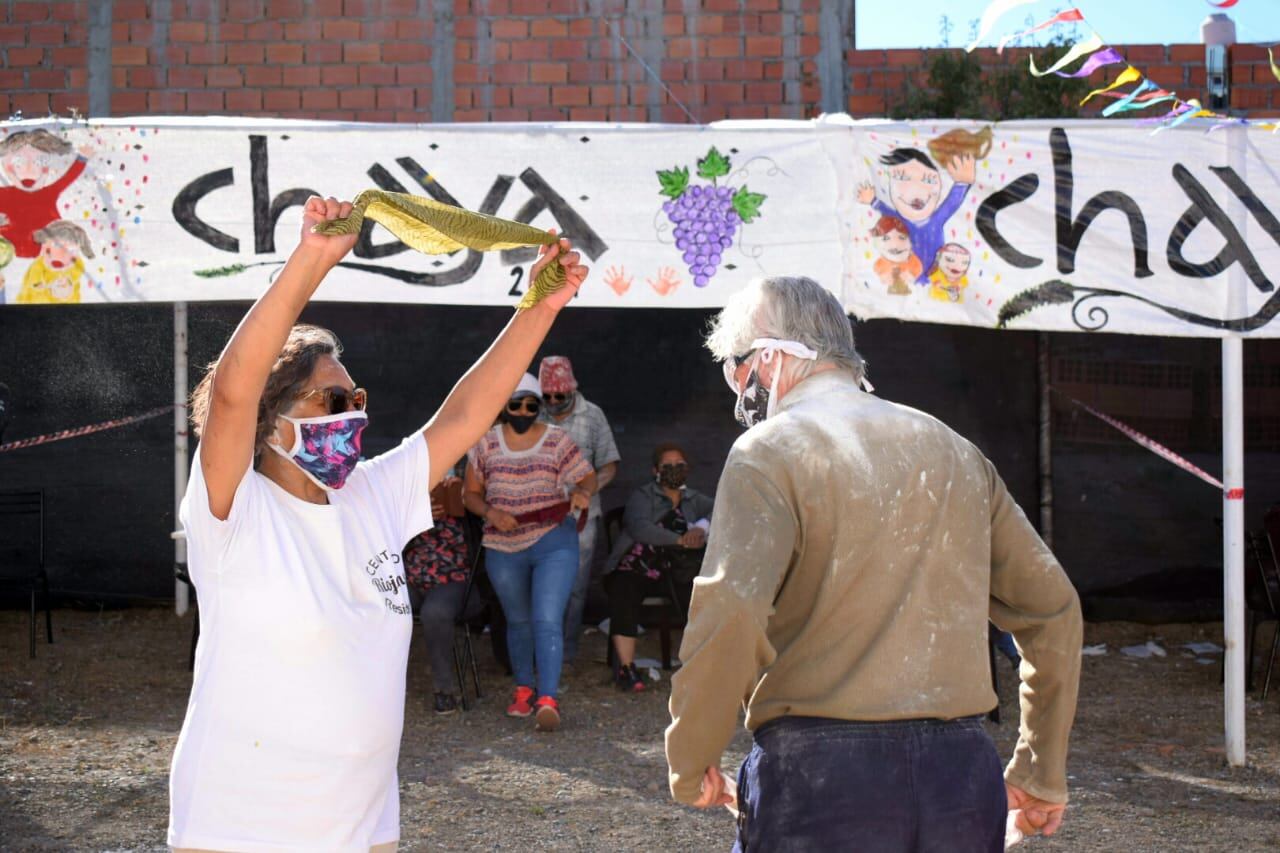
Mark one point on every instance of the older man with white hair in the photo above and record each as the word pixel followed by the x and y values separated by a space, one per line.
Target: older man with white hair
pixel 857 550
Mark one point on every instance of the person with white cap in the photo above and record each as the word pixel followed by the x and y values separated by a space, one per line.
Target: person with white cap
pixel 564 406
pixel 857 549
pixel 531 485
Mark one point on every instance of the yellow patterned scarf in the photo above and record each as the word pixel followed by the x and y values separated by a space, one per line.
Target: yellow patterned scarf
pixel 434 228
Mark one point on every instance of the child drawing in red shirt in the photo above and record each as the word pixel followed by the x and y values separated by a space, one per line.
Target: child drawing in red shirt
pixel 30 201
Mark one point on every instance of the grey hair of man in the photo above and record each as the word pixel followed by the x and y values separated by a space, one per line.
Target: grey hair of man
pixel 789 308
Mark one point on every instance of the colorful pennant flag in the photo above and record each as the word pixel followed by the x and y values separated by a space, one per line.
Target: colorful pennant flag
pixel 1275 71
pixel 1069 16
pixel 1129 75
pixel 994 12
pixel 1225 4
pixel 1107 56
pixel 1080 49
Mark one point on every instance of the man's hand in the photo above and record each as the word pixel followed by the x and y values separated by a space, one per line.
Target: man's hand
pixel 329 250
pixel 503 521
pixel 715 791
pixel 579 499
pixel 86 151
pixel 1034 816
pixel 560 252
pixel 866 192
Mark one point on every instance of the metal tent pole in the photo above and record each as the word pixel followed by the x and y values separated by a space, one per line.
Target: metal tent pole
pixel 1233 482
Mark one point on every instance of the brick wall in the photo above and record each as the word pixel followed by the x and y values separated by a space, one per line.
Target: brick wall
pixel 415 60
pixel 482 60
pixel 876 79
pixel 486 60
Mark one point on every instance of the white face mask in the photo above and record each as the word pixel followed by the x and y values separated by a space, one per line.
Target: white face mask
pixel 755 402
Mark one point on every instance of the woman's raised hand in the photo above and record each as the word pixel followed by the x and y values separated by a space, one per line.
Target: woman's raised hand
pixel 560 252
pixel 328 249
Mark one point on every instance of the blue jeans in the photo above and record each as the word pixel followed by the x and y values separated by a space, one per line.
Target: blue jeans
pixel 533 586
pixel 908 786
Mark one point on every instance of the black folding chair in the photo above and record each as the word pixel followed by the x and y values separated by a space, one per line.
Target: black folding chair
pixel 464 653
pixel 663 613
pixel 1267 554
pixel 17 505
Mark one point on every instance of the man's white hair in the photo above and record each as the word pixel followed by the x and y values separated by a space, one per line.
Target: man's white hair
pixel 790 308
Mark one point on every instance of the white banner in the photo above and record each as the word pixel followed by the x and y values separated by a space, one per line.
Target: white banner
pixel 1080 225
pixel 182 210
pixel 1067 226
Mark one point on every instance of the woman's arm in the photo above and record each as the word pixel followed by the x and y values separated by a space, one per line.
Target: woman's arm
pixel 473 499
pixel 580 497
pixel 470 408
pixel 227 440
pixel 640 525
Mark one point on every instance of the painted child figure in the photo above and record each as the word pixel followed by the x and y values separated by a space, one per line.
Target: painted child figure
pixel 30 201
pixel 915 187
pixel 897 264
pixel 54 277
pixel 950 273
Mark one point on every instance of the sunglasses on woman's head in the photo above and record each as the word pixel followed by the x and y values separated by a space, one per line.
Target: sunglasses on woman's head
pixel 338 399
pixel 526 404
pixel 555 398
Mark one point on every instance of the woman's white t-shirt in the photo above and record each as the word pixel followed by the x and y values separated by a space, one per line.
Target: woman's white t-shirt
pixel 293 727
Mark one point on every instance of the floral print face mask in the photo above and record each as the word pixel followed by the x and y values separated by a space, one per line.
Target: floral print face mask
pixel 326 448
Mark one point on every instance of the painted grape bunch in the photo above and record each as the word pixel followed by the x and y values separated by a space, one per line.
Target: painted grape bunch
pixel 706 216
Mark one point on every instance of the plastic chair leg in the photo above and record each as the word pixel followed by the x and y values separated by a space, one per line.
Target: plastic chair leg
pixel 48 616
pixel 1271 661
pixel 457 674
pixel 475 667
pixel 33 620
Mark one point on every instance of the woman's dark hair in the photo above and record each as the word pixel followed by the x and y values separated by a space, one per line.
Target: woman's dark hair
pixel 305 346
pixel 898 156
pixel 665 448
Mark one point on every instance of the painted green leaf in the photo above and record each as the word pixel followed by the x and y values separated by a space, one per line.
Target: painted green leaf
pixel 1052 292
pixel 714 165
pixel 674 181
pixel 747 204
pixel 219 272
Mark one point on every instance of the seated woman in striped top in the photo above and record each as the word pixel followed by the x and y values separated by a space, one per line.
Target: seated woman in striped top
pixel 527 480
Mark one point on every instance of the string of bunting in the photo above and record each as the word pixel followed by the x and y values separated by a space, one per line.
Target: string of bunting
pixel 1155 447
pixel 76 432
pixel 1095 53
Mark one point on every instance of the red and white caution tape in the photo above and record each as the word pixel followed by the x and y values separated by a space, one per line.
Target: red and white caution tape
pixel 1158 449
pixel 75 432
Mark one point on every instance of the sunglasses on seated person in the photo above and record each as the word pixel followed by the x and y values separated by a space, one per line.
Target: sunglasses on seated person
pixel 529 405
pixel 556 397
pixel 337 399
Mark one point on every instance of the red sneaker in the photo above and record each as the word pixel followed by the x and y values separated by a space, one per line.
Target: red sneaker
pixel 522 704
pixel 548 718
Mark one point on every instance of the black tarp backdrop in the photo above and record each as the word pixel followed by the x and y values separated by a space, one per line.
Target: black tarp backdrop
pixel 1121 512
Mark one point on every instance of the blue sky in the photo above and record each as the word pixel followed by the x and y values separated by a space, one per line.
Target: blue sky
pixel 882 23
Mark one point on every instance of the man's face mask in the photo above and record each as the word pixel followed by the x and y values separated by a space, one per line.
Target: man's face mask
pixel 559 403
pixel 673 476
pixel 326 448
pixel 755 402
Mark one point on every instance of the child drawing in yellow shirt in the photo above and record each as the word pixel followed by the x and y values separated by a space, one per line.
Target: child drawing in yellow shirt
pixel 54 276
pixel 950 273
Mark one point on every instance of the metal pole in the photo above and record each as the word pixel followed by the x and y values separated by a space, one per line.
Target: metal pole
pixel 180 592
pixel 1046 440
pixel 1233 481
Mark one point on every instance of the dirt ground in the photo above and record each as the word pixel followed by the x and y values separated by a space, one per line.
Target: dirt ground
pixel 87 730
